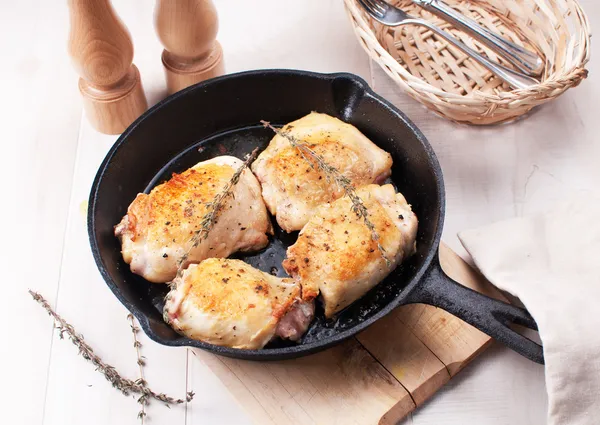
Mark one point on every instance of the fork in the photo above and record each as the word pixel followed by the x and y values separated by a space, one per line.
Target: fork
pixel 392 16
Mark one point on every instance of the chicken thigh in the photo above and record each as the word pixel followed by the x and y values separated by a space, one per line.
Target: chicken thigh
pixel 230 303
pixel 293 190
pixel 158 228
pixel 335 254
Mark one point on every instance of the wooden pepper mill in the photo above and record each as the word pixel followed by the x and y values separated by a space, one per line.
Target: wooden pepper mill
pixel 188 30
pixel 102 53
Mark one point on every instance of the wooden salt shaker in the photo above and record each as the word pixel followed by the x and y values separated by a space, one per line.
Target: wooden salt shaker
pixel 102 53
pixel 188 30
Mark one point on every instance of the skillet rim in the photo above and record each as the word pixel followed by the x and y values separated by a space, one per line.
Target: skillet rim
pixel 282 352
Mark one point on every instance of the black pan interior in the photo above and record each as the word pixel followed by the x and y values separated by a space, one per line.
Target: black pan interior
pixel 221 117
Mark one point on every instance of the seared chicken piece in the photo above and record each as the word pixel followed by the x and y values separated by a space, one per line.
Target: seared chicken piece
pixel 293 190
pixel 230 303
pixel 158 228
pixel 335 254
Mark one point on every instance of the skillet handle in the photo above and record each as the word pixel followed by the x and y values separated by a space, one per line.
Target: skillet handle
pixel 487 314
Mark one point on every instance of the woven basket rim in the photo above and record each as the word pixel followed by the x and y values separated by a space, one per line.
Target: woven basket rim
pixel 555 83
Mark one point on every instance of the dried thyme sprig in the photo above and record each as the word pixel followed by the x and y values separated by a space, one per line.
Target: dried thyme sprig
pixel 143 399
pixel 333 174
pixel 126 386
pixel 214 208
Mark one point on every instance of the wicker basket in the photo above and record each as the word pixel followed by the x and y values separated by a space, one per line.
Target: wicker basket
pixel 455 86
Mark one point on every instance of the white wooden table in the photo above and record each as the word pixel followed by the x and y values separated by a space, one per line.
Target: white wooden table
pixel 50 156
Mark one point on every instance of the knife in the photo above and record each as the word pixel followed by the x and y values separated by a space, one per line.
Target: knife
pixel 526 61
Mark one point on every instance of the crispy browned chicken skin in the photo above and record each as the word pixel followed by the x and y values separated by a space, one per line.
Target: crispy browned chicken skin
pixel 335 254
pixel 228 302
pixel 158 227
pixel 293 190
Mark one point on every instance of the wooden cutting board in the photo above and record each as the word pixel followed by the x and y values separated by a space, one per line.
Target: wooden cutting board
pixel 380 376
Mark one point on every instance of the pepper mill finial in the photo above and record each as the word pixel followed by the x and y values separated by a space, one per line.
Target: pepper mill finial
pixel 188 30
pixel 102 53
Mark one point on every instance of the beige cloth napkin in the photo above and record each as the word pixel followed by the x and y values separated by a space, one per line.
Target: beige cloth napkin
pixel 552 263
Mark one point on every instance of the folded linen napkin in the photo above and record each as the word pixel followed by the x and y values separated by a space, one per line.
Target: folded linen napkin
pixel 552 263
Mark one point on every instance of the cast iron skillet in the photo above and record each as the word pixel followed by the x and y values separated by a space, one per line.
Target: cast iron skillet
pixel 221 116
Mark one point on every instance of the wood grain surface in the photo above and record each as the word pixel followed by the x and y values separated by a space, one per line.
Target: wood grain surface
pixel 188 30
pixel 380 376
pixel 102 53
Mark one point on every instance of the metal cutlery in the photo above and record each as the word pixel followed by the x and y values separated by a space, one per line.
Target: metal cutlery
pixel 524 60
pixel 392 16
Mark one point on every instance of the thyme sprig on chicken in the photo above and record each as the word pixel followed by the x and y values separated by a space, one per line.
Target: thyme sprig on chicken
pixel 214 208
pixel 332 174
pixel 125 385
